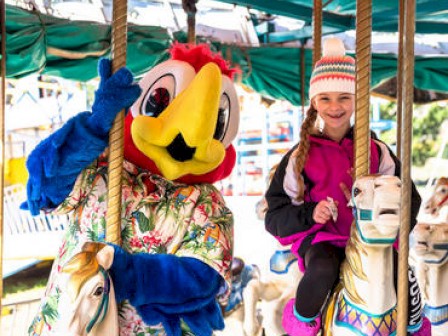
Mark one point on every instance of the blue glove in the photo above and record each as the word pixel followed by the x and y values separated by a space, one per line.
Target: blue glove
pixel 166 288
pixel 115 93
pixel 56 162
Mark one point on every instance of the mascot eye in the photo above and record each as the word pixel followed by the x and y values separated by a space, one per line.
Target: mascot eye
pixel 356 192
pixel 223 118
pixel 158 97
pixel 157 101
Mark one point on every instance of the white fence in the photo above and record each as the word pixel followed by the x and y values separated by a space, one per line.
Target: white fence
pixel 26 236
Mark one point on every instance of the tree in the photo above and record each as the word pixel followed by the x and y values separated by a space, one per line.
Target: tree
pixel 426 129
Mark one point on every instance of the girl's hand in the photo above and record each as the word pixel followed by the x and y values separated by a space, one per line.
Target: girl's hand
pixel 322 213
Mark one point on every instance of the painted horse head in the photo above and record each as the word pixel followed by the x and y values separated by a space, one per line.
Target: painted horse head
pixel 439 198
pixel 376 202
pixel 430 249
pixel 431 242
pixel 364 302
pixel 87 293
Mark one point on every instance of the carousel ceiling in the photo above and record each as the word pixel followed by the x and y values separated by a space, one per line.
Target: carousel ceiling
pixel 61 38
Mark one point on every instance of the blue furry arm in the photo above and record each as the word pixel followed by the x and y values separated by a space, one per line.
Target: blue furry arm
pixel 57 161
pixel 166 288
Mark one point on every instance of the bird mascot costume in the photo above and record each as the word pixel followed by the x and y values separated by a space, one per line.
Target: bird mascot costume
pixel 176 231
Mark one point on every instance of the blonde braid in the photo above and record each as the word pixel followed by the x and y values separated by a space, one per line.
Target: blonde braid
pixel 301 152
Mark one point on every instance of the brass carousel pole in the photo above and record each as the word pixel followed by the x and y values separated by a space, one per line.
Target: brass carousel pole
pixel 116 142
pixel 190 9
pixel 362 111
pixel 400 75
pixel 405 157
pixel 317 30
pixel 302 79
pixel 2 135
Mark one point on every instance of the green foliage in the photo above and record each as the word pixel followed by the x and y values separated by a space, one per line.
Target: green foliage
pixel 427 133
pixel 426 129
pixel 388 111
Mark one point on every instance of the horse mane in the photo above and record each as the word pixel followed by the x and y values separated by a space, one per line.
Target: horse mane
pixel 352 265
pixel 81 267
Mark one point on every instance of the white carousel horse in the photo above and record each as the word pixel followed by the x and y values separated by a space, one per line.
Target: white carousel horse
pixel 431 262
pixel 257 300
pixel 277 287
pixel 436 207
pixel 429 255
pixel 240 309
pixel 88 294
pixel 259 307
pixel 365 300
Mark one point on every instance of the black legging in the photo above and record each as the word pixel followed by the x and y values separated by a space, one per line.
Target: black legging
pixel 322 262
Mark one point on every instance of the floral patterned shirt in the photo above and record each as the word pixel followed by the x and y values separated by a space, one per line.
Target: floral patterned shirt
pixel 158 216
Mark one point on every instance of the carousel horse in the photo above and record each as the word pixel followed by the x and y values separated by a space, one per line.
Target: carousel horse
pixel 240 309
pixel 437 205
pixel 257 300
pixel 263 295
pixel 429 256
pixel 279 285
pixel 364 302
pixel 87 293
pixel 431 262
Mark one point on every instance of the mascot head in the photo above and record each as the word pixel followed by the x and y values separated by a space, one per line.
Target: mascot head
pixel 182 125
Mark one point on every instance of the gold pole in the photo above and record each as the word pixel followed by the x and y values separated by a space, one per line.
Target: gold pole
pixel 317 30
pixel 2 135
pixel 302 78
pixel 400 76
pixel 116 142
pixel 405 157
pixel 190 9
pixel 362 111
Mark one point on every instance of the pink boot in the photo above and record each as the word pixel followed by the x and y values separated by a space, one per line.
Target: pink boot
pixel 295 327
pixel 425 329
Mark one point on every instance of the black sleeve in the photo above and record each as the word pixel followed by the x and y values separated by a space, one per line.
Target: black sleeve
pixel 283 218
pixel 416 199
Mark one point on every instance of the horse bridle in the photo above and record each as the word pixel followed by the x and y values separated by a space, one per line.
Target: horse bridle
pixel 102 308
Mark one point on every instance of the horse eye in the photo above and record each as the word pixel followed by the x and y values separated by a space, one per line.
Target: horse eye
pixel 98 291
pixel 356 192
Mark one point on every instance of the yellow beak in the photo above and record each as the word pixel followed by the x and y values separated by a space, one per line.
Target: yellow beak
pixel 180 140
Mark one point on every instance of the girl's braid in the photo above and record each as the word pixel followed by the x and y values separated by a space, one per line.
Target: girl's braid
pixel 301 152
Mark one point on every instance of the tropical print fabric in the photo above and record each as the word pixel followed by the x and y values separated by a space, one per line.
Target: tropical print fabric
pixel 158 216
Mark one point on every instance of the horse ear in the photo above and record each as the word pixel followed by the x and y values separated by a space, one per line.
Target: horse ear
pixel 92 247
pixel 105 256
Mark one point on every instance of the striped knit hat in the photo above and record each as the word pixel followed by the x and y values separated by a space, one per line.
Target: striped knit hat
pixel 334 72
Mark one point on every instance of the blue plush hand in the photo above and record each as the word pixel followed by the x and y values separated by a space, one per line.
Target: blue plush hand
pixel 115 93
pixel 56 162
pixel 166 288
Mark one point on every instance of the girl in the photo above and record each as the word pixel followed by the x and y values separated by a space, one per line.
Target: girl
pixel 308 194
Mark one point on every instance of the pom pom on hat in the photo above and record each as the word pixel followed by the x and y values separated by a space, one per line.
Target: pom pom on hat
pixel 333 47
pixel 334 72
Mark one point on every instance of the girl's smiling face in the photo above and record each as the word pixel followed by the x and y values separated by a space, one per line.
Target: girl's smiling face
pixel 335 109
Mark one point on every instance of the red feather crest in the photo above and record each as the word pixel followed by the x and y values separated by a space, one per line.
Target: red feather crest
pixel 199 55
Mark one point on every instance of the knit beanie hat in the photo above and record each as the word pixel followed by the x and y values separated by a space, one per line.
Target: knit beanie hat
pixel 334 72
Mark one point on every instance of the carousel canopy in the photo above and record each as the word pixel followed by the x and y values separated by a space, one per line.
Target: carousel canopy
pixel 339 15
pixel 38 42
